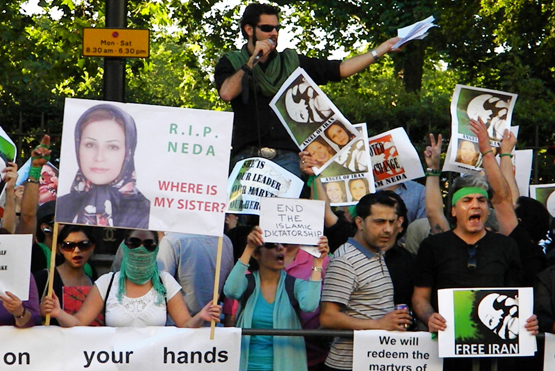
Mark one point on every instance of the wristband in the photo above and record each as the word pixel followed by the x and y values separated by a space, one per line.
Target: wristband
pixel 375 55
pixel 22 314
pixel 505 154
pixel 432 174
pixel 433 171
pixel 318 269
pixel 485 153
pixel 34 172
pixel 29 180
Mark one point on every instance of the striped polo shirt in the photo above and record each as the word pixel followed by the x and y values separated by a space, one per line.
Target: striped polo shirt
pixel 358 280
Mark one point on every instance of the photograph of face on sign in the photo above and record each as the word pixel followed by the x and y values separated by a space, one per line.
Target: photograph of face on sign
pixel 310 116
pixel 143 166
pixel 486 322
pixel 104 187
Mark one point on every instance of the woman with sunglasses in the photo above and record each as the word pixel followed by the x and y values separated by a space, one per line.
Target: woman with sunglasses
pixel 76 247
pixel 137 295
pixel 269 304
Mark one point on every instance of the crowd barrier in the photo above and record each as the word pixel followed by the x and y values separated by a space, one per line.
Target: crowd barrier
pixel 53 348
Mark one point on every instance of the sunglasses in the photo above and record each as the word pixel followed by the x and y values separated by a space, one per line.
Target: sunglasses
pixel 471 265
pixel 134 242
pixel 82 245
pixel 268 27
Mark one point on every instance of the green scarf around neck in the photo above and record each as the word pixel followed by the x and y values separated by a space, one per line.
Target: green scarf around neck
pixel 277 71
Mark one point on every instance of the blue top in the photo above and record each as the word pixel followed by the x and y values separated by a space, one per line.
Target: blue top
pixel 261 355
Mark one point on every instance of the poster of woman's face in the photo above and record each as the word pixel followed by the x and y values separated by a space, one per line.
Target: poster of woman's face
pixel 339 134
pixel 467 152
pixel 48 187
pixel 358 188
pixel 335 192
pixel 321 151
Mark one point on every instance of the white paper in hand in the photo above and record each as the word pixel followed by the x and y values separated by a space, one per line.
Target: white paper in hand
pixel 416 31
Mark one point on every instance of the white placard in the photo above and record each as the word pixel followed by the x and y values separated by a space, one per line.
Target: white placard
pixel 523 169
pixel 486 322
pixel 15 264
pixel 394 158
pixel 296 221
pixel 258 177
pixel 395 350
pixel 181 164
pixel 123 348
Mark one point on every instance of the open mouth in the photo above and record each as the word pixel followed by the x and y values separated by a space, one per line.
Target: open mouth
pixel 280 258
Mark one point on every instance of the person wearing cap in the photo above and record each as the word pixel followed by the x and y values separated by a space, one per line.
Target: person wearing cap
pixel 249 78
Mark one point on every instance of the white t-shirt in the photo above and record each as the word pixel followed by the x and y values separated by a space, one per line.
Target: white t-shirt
pixel 136 312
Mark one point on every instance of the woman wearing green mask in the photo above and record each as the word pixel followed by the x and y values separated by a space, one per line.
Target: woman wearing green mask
pixel 137 295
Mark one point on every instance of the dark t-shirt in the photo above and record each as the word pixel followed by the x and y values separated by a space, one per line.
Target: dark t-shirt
pixel 531 255
pixel 272 132
pixel 442 262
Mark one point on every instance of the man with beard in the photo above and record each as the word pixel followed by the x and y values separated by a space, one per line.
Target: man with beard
pixel 249 78
pixel 358 291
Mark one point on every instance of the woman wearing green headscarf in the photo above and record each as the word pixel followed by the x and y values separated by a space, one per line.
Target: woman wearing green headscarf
pixel 137 295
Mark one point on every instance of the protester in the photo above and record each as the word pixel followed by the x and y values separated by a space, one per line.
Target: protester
pixel 358 291
pixel 136 296
pixel 413 194
pixel 267 304
pixel 23 314
pixel 76 245
pixel 104 189
pixel 250 82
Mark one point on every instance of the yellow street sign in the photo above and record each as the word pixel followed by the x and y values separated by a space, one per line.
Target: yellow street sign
pixel 116 42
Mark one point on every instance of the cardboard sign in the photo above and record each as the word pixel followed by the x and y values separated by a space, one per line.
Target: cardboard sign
pixel 295 221
pixel 157 168
pixel 394 350
pixel 15 264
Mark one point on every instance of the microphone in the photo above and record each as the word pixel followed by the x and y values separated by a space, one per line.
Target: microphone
pixel 261 53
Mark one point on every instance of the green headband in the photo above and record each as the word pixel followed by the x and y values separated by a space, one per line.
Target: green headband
pixel 467 191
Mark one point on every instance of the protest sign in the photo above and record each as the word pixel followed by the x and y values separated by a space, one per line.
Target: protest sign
pixel 549 355
pixel 312 120
pixel 7 154
pixel 523 169
pixel 486 322
pixel 394 158
pixel 15 264
pixel 157 168
pixel 350 164
pixel 377 350
pixel 494 108
pixel 544 193
pixel 295 221
pixel 258 177
pixel 123 348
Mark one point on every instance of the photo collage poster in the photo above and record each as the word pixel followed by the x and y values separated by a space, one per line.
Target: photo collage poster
pixel 486 322
pixel 313 121
pixel 493 108
pixel 349 177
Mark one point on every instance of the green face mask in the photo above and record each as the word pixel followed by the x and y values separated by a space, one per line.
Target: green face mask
pixel 139 266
